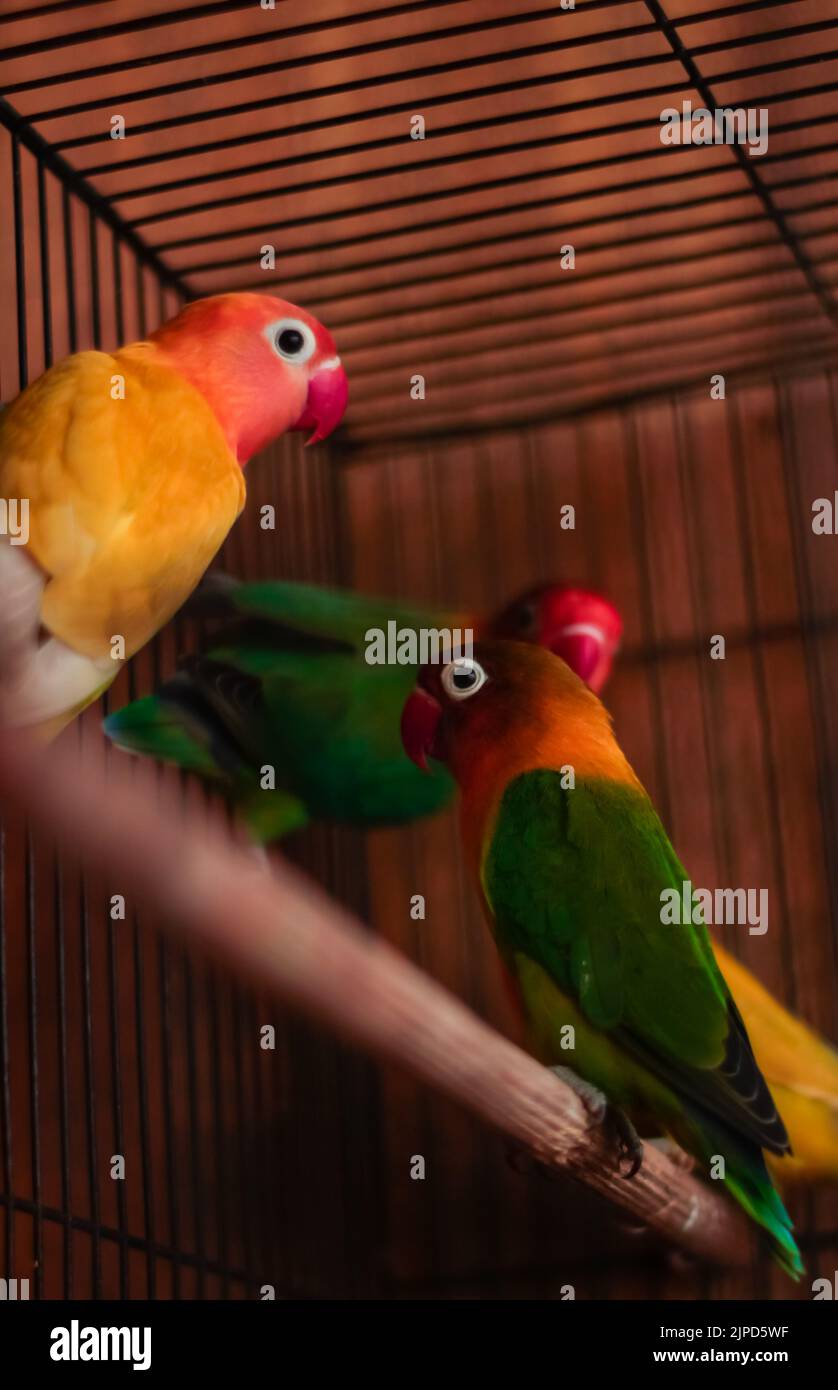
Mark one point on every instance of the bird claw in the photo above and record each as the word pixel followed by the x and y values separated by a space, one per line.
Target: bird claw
pixel 604 1113
pixel 629 1143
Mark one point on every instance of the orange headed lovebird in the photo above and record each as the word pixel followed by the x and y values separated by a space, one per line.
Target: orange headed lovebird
pixel 800 1067
pixel 128 467
pixel 572 865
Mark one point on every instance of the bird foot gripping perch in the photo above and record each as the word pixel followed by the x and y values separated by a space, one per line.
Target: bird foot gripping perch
pixel 602 1114
pixel 610 1117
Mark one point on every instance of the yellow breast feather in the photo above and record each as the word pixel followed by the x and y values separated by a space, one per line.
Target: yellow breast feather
pixel 132 489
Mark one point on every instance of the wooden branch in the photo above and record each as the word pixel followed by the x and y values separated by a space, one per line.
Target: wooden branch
pixel 285 933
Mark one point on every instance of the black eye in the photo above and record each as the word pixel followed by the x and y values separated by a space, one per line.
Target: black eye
pixel 290 341
pixel 462 678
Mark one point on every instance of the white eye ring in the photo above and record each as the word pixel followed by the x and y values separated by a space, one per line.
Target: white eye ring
pixel 298 352
pixel 463 670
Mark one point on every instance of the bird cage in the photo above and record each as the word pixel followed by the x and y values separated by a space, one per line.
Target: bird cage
pixel 585 340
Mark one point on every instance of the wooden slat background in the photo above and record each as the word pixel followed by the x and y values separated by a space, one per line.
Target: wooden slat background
pixel 247 127
pixel 292 1168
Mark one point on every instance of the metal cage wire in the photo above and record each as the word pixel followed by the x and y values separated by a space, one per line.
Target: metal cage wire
pixel 192 198
pixel 545 141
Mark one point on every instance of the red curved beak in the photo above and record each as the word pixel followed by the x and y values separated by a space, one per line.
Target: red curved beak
pixel 581 645
pixel 328 392
pixel 420 722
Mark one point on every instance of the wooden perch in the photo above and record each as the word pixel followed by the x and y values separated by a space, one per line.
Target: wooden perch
pixel 284 932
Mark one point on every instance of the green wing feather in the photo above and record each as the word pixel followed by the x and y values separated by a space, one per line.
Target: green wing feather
pixel 574 880
pixel 278 685
pixel 334 615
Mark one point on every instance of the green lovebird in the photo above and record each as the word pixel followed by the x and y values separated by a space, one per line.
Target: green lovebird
pixel 571 862
pixel 284 712
pixel 282 709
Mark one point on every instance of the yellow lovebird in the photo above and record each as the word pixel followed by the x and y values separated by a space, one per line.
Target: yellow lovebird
pixel 124 472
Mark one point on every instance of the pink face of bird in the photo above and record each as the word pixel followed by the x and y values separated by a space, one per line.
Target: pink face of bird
pixel 265 366
pixel 580 626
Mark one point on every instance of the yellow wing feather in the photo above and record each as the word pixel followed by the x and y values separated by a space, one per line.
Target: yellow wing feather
pixel 801 1070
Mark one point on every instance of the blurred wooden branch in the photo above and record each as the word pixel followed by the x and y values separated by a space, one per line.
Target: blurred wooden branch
pixel 285 933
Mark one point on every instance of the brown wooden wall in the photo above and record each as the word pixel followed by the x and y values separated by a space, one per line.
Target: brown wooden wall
pixel 246 1167
pixel 292 1167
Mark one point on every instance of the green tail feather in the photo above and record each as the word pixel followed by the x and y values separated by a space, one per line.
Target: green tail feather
pixel 148 726
pixel 756 1198
pixel 749 1182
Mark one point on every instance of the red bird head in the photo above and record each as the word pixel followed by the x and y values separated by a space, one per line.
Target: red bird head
pixel 581 627
pixel 263 365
